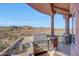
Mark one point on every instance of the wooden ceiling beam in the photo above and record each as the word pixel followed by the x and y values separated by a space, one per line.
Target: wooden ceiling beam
pixel 52 8
pixel 63 9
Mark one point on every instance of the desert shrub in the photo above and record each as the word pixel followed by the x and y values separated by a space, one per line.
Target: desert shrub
pixel 26 45
pixel 2 46
pixel 13 37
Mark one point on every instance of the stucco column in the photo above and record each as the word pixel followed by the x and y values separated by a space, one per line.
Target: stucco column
pixel 66 24
pixel 52 24
pixel 53 36
pixel 67 36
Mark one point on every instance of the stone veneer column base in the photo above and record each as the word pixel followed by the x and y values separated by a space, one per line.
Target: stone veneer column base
pixel 54 41
pixel 67 38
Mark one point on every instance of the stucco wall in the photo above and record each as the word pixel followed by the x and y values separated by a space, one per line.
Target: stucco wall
pixel 75 48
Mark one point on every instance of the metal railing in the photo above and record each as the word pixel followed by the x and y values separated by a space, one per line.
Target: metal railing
pixel 9 51
pixel 46 45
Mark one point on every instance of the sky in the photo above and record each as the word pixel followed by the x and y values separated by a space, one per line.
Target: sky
pixel 21 15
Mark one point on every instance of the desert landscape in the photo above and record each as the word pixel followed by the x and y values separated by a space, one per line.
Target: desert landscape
pixel 10 34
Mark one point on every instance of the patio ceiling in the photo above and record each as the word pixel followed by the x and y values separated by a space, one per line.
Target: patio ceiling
pixel 46 8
